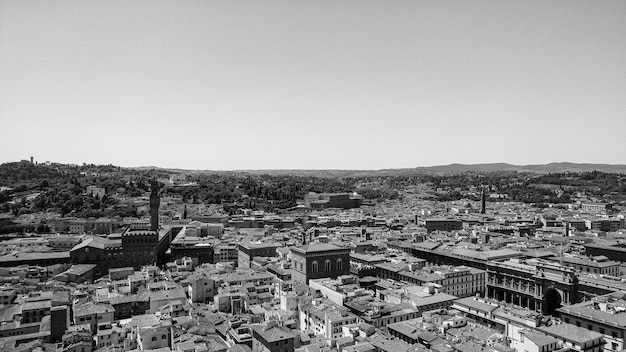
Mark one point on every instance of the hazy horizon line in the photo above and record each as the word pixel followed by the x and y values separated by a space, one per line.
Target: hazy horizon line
pixel 322 169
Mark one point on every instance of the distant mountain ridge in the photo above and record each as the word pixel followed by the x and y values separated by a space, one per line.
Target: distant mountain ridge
pixel 556 167
pixel 536 168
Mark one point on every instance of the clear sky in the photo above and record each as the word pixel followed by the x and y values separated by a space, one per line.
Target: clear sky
pixel 312 84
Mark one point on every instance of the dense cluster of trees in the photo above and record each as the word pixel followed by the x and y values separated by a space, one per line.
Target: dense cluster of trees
pixel 63 188
pixel 533 188
pixel 24 228
pixel 270 192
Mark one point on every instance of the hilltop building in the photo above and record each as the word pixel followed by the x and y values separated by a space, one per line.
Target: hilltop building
pixel 332 200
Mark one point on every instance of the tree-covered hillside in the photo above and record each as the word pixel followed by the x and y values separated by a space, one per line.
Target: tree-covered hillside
pixel 62 188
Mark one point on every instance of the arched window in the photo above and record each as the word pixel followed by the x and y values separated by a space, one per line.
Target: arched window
pixel 339 264
pixel 314 266
pixel 163 337
pixel 327 265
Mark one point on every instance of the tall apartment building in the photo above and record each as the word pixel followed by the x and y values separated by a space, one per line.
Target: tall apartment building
pixel 225 253
pixel 198 248
pixel 139 247
pixel 443 225
pixel 248 250
pixel 319 260
pixel 617 252
pixel 201 287
pixel 136 248
pixel 596 265
pixel 460 281
pixel 273 339
pixel 325 318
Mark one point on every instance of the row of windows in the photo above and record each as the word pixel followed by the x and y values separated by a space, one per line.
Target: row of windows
pixel 138 240
pixel 13 333
pixel 459 280
pixel 109 344
pixel 120 255
pixel 603 271
pixel 327 266
pixel 386 321
pixel 27 313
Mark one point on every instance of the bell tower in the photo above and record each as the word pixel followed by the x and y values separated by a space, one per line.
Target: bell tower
pixel 155 202
pixel 483 201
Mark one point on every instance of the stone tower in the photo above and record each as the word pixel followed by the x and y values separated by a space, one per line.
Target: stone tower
pixel 59 321
pixel 483 202
pixel 155 202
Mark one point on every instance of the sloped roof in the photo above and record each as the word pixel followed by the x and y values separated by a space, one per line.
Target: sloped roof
pixel 318 247
pixel 476 304
pixel 569 332
pixel 275 333
pixel 97 242
pixel 540 339
pixel 91 308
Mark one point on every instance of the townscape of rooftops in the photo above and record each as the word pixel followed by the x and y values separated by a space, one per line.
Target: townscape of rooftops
pixel 103 258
